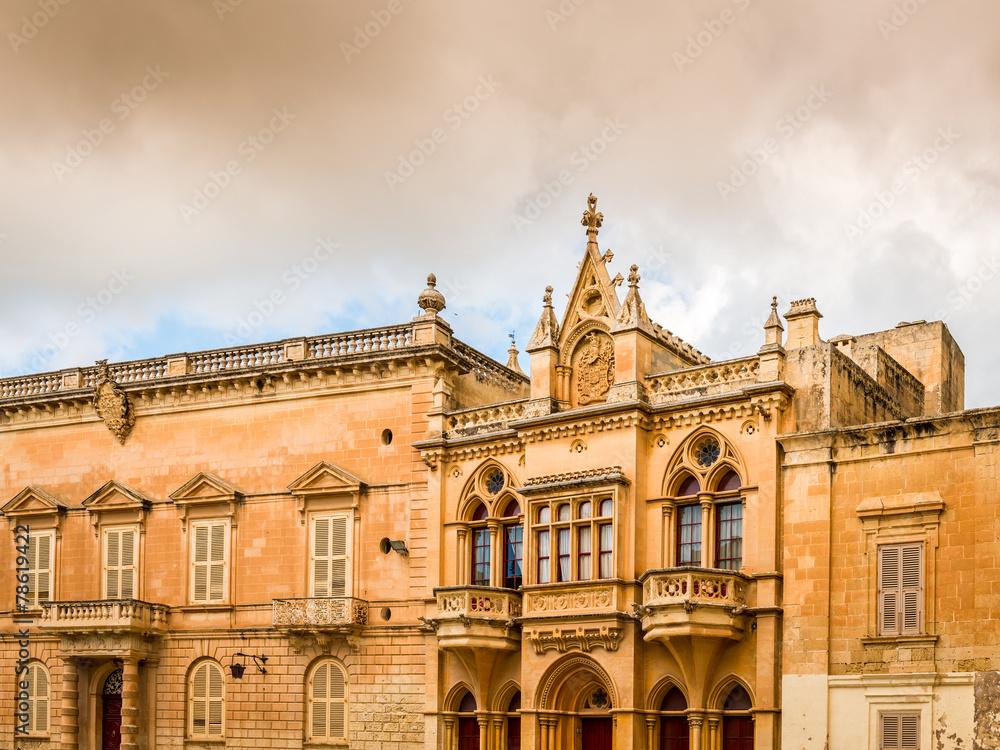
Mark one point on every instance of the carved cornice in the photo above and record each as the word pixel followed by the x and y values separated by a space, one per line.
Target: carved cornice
pixel 603 476
pixel 439 452
pixel 584 426
pixel 581 638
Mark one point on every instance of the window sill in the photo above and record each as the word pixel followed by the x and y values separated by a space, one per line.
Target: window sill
pixel 204 608
pixel 325 744
pixel 912 641
pixel 214 741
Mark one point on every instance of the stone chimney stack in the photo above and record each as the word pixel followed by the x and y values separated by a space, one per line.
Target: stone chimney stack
pixel 803 324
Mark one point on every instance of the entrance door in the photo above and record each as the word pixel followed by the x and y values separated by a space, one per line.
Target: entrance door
pixel 674 733
pixel 111 712
pixel 737 733
pixel 514 733
pixel 596 734
pixel 468 733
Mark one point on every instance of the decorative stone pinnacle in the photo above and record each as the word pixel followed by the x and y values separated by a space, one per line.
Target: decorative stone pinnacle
pixel 547 299
pixel 431 301
pixel 774 303
pixel 592 219
pixel 633 277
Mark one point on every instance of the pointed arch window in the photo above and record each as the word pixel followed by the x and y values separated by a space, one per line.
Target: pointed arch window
pixel 513 546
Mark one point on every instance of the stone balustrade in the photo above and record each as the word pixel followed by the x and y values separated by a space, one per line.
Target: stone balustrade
pixel 697 585
pixel 704 380
pixel 318 613
pixel 488 370
pixel 492 418
pixel 360 342
pixel 107 615
pixel 477 602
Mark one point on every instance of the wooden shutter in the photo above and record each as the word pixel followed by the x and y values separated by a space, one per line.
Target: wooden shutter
pixel 209 562
pixel 899 731
pixel 328 702
pixel 207 700
pixel 38 699
pixel 900 589
pixel 331 556
pixel 215 696
pixel 119 564
pixel 911 582
pixel 43 567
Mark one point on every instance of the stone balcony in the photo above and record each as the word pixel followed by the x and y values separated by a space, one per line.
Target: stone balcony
pixel 107 616
pixel 477 617
pixel 694 602
pixel 319 614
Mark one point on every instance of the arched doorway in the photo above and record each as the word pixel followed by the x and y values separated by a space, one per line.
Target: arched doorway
pixel 674 730
pixel 111 712
pixel 575 701
pixel 514 722
pixel 737 721
pixel 596 726
pixel 468 725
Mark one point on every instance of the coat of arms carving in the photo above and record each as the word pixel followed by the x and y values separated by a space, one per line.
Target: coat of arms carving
pixel 595 369
pixel 112 404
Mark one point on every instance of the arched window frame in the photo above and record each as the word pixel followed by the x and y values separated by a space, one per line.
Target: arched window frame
pixel 703 528
pixel 666 715
pixel 494 534
pixel 327 692
pixel 39 690
pixel 581 546
pixel 210 705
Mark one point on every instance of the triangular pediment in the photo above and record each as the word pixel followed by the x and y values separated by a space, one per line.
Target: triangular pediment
pixel 593 297
pixel 325 478
pixel 205 488
pixel 116 496
pixel 32 501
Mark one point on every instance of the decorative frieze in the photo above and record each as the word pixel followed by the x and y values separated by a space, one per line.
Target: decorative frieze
pixel 562 601
pixel 581 638
pixel 319 612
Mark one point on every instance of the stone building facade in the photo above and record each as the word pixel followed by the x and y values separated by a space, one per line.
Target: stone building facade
pixel 385 539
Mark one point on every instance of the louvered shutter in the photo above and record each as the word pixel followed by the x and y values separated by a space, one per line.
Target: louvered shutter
pixel 215 698
pixel 112 562
pixel 38 699
pixel 43 567
pixel 911 589
pixel 320 701
pixel 889 731
pixel 331 556
pixel 899 731
pixel 888 590
pixel 328 702
pixel 127 574
pixel 338 703
pixel 199 704
pixel 200 587
pixel 909 731
pixel 209 576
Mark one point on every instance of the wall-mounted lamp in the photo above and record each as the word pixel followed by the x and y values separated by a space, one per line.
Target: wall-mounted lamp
pixel 399 546
pixel 238 669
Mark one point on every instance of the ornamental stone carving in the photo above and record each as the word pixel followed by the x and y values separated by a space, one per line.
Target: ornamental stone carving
pixel 575 639
pixel 595 369
pixel 112 403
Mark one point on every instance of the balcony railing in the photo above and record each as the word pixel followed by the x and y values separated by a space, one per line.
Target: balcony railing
pixel 456 603
pixel 319 613
pixel 107 615
pixel 696 585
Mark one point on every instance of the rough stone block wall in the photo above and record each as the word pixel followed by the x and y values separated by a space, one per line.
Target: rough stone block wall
pixel 898 382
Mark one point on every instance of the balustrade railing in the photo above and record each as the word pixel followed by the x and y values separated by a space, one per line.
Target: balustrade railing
pixel 477 602
pixel 319 612
pixel 696 585
pixel 106 614
pixel 485 418
pixel 488 370
pixel 716 378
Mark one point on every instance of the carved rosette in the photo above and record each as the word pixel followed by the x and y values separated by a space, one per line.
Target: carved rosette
pixel 595 369
pixel 112 404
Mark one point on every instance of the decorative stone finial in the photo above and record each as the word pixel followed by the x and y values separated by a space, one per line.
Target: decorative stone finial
pixel 512 359
pixel 547 331
pixel 431 301
pixel 633 276
pixel 547 299
pixel 592 219
pixel 773 328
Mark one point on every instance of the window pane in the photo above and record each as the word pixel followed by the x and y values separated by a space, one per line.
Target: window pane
pixel 543 515
pixel 564 574
pixel 543 556
pixel 583 543
pixel 512 556
pixel 607 507
pixel 564 512
pixel 606 534
pixel 481 557
pixel 689 535
pixel 585 510
pixel 729 549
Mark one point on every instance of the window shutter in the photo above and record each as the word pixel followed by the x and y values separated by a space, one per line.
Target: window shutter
pixel 338 703
pixel 128 564
pixel 38 699
pixel 217 563
pixel 200 564
pixel 320 699
pixel 215 688
pixel 909 734
pixel 888 590
pixel 911 588
pixel 33 569
pixel 338 556
pixel 889 730
pixel 43 566
pixel 112 564
pixel 899 731
pixel 321 557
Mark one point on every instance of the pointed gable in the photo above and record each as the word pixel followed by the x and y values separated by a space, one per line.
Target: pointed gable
pixel 326 486
pixel 206 495
pixel 115 502
pixel 32 501
pixel 593 297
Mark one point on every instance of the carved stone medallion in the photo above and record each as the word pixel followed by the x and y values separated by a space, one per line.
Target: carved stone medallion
pixel 595 369
pixel 112 404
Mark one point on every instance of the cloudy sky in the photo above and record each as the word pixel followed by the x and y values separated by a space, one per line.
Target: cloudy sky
pixel 172 168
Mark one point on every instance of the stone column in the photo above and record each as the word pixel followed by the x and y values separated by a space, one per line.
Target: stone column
pixel 70 705
pixel 130 704
pixel 495 558
pixel 464 561
pixel 707 531
pixel 553 725
pixel 695 722
pixel 484 732
pixel 498 724
pixel 668 535
pixel 449 734
pixel 650 733
pixel 543 729
pixel 713 732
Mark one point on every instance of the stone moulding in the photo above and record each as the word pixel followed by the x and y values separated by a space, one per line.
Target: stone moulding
pixel 581 638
